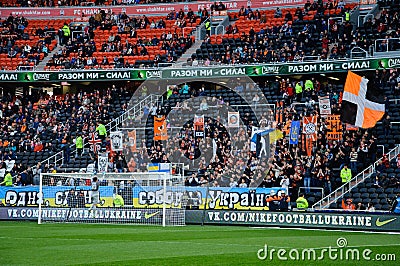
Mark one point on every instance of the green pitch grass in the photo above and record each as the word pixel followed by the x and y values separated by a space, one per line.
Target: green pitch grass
pixel 26 243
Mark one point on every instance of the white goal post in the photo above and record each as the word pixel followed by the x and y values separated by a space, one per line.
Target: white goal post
pixel 155 198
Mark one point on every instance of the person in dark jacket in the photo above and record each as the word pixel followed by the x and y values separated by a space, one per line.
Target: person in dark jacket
pixel 284 202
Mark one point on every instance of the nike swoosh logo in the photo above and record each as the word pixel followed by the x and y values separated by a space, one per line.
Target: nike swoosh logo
pixel 147 216
pixel 379 223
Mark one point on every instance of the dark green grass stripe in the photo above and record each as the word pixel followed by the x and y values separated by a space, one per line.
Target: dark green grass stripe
pixel 89 244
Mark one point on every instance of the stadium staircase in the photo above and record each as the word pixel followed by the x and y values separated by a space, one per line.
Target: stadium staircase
pixel 182 61
pixel 362 14
pixel 325 203
pixel 218 25
pixel 43 63
pixel 188 54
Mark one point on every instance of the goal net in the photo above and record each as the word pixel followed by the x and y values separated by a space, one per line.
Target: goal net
pixel 127 198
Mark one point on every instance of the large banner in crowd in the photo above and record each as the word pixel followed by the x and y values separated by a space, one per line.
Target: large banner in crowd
pixel 185 73
pixel 214 197
pixel 145 197
pixel 87 11
pixel 52 195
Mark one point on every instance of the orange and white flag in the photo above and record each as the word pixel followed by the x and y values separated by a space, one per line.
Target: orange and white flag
pixel 357 110
pixel 310 127
pixel 160 128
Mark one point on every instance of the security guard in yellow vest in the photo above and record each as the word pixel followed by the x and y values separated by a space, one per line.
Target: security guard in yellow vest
pixel 208 27
pixel 301 203
pixel 66 33
pixel 299 91
pixel 118 201
pixel 345 174
pixel 79 145
pixel 7 180
pixel 101 129
pixel 347 15
pixel 308 87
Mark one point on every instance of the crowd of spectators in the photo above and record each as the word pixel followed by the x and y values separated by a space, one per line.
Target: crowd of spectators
pixel 42 124
pixel 385 28
pixel 291 40
pixel 35 118
pixel 61 3
pixel 15 41
pixel 235 165
pixel 290 167
pixel 296 38
pixel 80 47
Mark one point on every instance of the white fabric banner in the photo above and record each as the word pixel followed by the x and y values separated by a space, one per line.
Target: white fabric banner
pixel 102 163
pixel 324 106
pixel 233 119
pixel 116 140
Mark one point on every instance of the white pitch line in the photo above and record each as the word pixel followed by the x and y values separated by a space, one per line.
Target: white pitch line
pixel 324 230
pixel 128 240
pixel 190 242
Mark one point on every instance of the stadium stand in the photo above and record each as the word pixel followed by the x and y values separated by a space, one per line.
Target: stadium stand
pixel 331 155
pixel 323 172
pixel 25 43
pixel 295 35
pixel 35 126
pixel 38 126
pixel 379 190
pixel 108 40
pixel 62 3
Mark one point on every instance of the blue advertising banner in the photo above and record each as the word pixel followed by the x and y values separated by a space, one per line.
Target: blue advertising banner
pixel 234 198
pixel 52 195
pixel 145 197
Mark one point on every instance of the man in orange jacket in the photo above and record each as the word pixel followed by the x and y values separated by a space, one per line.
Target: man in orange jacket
pixel 348 204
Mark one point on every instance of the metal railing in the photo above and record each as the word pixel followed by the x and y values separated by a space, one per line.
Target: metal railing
pixel 77 33
pixel 371 50
pixel 53 33
pixel 133 111
pixel 56 159
pixel 325 202
pixel 358 52
pixel 305 189
pixel 188 30
pixel 220 29
pixel 383 148
pixel 87 4
pixel 387 44
pixel 353 211
pixel 59 157
pixel 201 30
pixel 162 64
pixel 26 68
pixel 311 58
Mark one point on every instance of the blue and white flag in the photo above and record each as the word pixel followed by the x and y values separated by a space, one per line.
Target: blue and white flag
pixel 256 136
pixel 253 143
pixel 294 133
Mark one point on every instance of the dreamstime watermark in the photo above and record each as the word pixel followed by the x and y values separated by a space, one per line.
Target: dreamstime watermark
pixel 340 252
